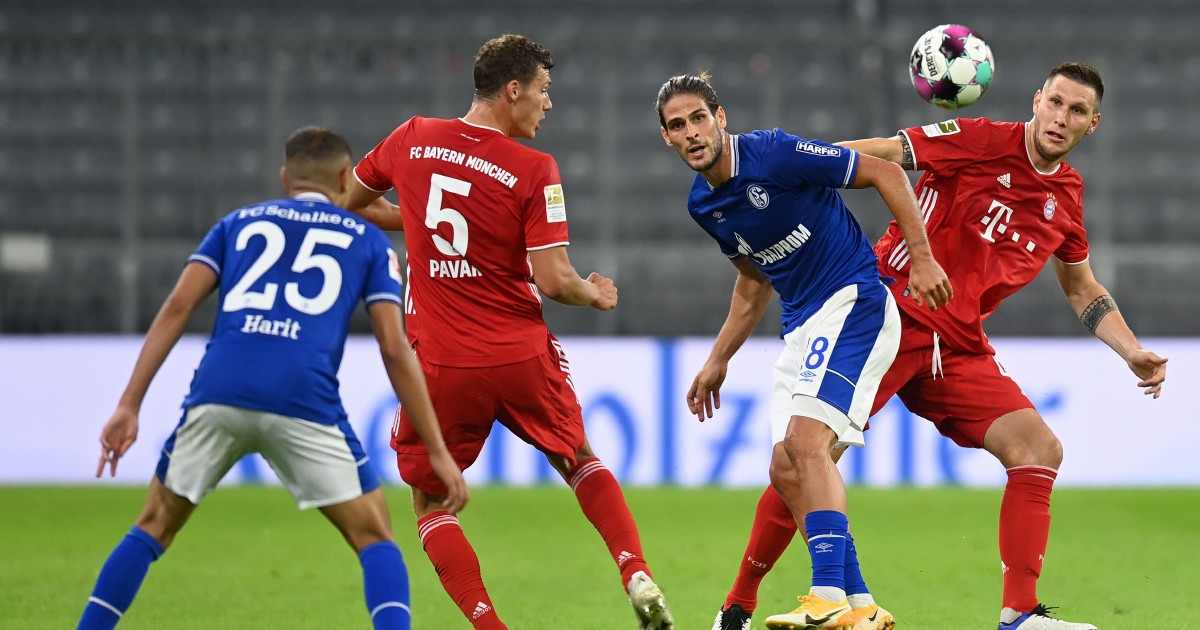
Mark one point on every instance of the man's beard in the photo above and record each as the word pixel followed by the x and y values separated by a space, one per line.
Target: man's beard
pixel 718 150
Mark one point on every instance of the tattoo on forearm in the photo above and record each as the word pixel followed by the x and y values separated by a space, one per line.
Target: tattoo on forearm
pixel 906 156
pixel 1096 311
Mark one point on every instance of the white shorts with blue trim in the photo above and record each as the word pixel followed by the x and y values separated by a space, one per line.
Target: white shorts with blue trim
pixel 320 464
pixel 832 364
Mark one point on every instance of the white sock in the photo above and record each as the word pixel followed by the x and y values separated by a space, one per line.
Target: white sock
pixel 860 600
pixel 828 593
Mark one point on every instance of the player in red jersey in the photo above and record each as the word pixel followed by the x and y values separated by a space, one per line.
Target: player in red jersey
pixel 999 200
pixel 485 228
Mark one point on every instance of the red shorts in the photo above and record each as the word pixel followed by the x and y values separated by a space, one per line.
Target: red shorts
pixel 964 398
pixel 534 399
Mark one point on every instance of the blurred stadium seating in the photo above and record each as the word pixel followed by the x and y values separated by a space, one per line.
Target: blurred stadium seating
pixel 127 128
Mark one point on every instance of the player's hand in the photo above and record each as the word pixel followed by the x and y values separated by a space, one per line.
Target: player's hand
pixel 384 214
pixel 929 285
pixel 447 470
pixel 118 434
pixel 705 393
pixel 1149 367
pixel 607 298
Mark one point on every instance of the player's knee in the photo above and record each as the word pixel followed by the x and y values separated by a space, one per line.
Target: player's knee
pixel 1040 446
pixel 425 504
pixel 804 453
pixel 1050 452
pixel 783 475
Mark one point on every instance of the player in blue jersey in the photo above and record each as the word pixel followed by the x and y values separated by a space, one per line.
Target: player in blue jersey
pixel 290 273
pixel 769 199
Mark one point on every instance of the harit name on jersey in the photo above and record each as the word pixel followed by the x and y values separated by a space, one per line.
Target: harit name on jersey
pixel 288 328
pixel 778 251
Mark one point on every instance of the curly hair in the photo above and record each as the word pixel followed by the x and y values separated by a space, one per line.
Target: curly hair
pixel 505 58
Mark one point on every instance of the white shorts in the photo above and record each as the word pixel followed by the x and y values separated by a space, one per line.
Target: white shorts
pixel 320 464
pixel 832 365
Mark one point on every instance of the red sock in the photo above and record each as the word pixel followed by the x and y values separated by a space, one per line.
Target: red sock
pixel 458 568
pixel 1024 531
pixel 603 504
pixel 774 526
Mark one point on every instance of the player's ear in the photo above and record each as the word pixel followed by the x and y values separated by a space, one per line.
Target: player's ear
pixel 283 176
pixel 667 138
pixel 1037 98
pixel 1095 123
pixel 720 117
pixel 512 90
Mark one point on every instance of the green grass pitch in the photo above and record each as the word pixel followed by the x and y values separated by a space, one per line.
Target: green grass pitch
pixel 1122 559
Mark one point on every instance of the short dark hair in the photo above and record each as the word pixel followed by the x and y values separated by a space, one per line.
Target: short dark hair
pixel 316 154
pixel 1081 73
pixel 686 84
pixel 505 58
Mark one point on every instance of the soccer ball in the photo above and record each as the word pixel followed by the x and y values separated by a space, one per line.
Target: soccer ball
pixel 951 66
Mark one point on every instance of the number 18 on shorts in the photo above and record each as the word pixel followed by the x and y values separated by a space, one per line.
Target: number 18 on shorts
pixel 832 364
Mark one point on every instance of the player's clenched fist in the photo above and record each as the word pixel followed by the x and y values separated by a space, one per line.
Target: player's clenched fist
pixel 606 300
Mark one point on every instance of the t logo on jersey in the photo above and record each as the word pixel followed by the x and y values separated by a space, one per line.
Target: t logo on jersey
pixel 556 204
pixel 997 219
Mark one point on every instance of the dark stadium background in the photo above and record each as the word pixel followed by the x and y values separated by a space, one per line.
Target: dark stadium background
pixel 128 127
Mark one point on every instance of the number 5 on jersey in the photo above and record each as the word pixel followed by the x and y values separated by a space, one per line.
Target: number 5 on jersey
pixel 435 214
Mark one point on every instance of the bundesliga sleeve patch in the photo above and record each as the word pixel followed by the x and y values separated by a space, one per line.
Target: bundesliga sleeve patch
pixel 556 205
pixel 947 128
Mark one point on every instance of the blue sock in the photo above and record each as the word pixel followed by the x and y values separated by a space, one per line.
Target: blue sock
pixel 855 584
pixel 120 580
pixel 828 533
pixel 385 583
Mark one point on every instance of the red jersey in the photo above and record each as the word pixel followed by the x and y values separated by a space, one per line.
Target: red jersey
pixel 474 203
pixel 993 221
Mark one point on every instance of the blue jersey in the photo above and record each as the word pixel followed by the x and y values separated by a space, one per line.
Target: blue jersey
pixel 780 208
pixel 291 273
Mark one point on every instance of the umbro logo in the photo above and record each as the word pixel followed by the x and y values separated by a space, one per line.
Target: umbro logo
pixel 1005 180
pixel 823 547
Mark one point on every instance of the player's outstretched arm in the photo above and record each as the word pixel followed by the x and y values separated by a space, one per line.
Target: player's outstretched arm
pixel 120 432
pixel 408 382
pixel 1098 312
pixel 557 279
pixel 370 205
pixel 894 149
pixel 927 280
pixel 751 295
